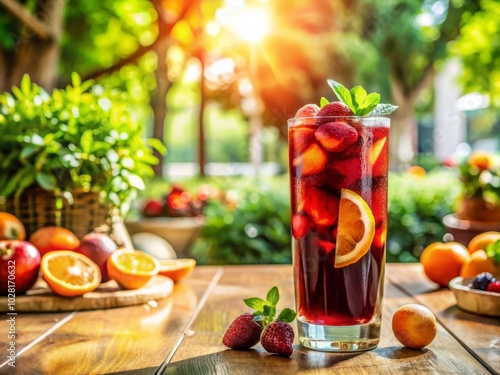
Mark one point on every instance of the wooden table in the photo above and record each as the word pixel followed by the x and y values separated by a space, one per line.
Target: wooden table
pixel 182 334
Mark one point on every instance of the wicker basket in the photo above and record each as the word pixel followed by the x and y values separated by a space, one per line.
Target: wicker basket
pixel 79 211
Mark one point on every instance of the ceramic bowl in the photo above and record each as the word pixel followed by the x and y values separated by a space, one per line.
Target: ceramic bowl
pixel 473 300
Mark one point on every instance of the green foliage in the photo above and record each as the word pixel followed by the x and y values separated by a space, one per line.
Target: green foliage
pixel 98 33
pixel 479 50
pixel 81 137
pixel 416 210
pixel 256 231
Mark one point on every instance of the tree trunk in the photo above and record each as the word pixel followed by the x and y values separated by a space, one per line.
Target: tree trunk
pixel 3 73
pixel 403 142
pixel 159 99
pixel 201 114
pixel 36 57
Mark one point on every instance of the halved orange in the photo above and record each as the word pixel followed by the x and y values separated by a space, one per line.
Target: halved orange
pixel 177 269
pixel 69 274
pixel 356 229
pixel 132 269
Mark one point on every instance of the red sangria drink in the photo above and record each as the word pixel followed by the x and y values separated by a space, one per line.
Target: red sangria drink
pixel 338 178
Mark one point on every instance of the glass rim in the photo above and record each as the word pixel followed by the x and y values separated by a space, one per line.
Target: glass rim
pixel 292 121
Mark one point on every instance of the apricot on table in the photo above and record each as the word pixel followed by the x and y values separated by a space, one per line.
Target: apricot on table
pixel 414 326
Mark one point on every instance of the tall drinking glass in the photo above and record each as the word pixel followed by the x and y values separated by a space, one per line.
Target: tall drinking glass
pixel 338 181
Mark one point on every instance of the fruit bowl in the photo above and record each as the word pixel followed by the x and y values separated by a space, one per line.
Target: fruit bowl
pixel 475 301
pixel 180 232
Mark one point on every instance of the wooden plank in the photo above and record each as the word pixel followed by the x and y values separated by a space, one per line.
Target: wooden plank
pixel 480 334
pixel 134 338
pixel 203 352
pixel 29 328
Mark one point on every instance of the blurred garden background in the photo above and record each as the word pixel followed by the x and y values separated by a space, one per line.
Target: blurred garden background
pixel 216 80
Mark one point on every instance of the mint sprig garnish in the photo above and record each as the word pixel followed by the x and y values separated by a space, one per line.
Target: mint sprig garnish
pixel 324 101
pixel 265 309
pixel 359 101
pixel 383 109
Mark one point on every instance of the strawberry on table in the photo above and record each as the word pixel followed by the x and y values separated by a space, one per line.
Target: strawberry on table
pixel 277 335
pixel 278 338
pixel 243 333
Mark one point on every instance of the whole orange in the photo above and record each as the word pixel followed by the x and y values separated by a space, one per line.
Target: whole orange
pixel 443 261
pixel 54 238
pixel 478 263
pixel 11 227
pixel 482 240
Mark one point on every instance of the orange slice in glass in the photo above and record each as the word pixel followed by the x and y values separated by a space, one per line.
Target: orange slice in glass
pixel 356 229
pixel 132 269
pixel 177 269
pixel 69 274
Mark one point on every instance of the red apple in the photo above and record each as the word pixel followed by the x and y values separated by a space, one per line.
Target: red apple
pixel 19 266
pixel 98 247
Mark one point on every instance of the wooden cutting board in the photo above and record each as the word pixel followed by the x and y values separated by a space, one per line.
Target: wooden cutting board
pixel 41 298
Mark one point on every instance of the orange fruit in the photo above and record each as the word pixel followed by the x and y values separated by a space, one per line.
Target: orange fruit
pixel 132 269
pixel 414 326
pixel 177 269
pixel 482 240
pixel 356 229
pixel 69 274
pixel 478 263
pixel 443 261
pixel 11 227
pixel 54 238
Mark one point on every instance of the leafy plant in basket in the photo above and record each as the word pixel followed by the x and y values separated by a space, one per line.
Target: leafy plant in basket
pixel 83 137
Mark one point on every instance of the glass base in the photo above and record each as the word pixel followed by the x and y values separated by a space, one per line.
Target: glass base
pixel 340 339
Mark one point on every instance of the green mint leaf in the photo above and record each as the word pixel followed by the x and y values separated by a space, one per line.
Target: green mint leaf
pixel 370 102
pixel 258 318
pixel 358 96
pixel 493 251
pixel 255 303
pixel 324 101
pixel 384 109
pixel 287 315
pixel 342 93
pixel 273 296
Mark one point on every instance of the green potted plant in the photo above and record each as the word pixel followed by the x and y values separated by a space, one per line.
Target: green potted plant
pixel 480 177
pixel 477 209
pixel 69 157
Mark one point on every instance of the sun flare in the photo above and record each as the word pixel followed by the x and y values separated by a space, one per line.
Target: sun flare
pixel 252 25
